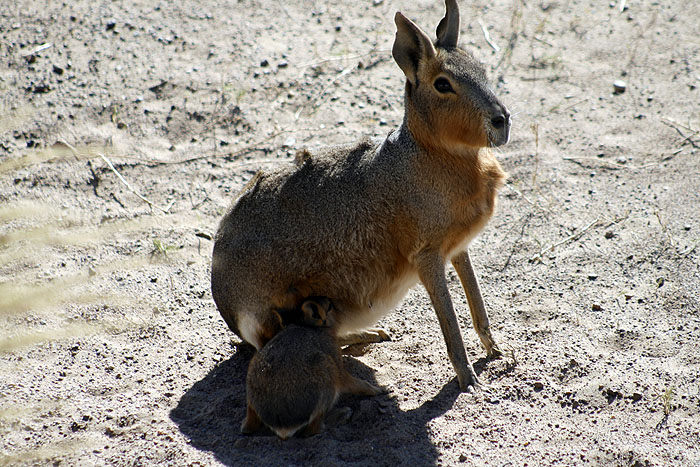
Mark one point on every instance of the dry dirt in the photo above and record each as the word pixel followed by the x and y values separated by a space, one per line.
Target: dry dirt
pixel 127 127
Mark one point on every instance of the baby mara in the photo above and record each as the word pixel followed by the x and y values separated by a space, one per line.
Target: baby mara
pixel 296 378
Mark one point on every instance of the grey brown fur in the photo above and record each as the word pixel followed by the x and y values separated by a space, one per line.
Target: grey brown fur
pixel 297 376
pixel 361 224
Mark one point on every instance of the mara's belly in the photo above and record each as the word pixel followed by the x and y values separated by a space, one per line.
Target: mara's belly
pixel 384 301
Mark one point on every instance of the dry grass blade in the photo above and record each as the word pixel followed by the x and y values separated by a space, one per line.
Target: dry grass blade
pixel 37 337
pixel 570 238
pixel 132 189
pixel 59 151
pixel 313 101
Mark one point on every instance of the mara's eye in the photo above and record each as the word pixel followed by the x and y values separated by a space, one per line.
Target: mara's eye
pixel 443 86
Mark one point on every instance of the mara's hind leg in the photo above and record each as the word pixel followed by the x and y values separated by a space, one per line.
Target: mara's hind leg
pixel 358 387
pixel 314 427
pixel 480 319
pixel 368 336
pixel 252 422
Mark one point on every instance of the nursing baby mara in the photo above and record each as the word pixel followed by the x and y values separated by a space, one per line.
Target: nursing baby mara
pixel 361 224
pixel 295 379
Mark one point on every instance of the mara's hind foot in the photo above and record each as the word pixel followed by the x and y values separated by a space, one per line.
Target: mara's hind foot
pixel 487 340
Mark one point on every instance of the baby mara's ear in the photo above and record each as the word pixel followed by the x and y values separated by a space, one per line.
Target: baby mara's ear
pixel 318 311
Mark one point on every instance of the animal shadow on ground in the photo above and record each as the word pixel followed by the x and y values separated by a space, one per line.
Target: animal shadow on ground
pixel 373 431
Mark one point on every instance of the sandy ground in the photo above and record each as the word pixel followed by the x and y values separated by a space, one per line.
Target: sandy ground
pixel 126 128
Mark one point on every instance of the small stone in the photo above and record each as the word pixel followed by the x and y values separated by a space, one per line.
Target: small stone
pixel 687 227
pixel 462 457
pixel 283 64
pixel 377 2
pixel 636 397
pixel 58 70
pixel 111 25
pixel 619 86
pixel 264 63
pixel 596 307
pixel 609 234
pixel 538 385
pixel 382 122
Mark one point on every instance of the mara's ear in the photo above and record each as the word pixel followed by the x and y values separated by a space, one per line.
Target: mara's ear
pixel 276 321
pixel 448 29
pixel 410 46
pixel 271 325
pixel 312 311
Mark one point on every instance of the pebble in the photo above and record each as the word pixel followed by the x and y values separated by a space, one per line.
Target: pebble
pixel 619 86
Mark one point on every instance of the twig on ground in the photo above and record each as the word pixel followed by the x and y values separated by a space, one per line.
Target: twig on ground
pixel 677 126
pixel 613 164
pixel 664 228
pixel 487 36
pixel 38 49
pixel 341 58
pixel 128 185
pixel 570 238
pixel 570 106
pixel 515 243
pixel 238 152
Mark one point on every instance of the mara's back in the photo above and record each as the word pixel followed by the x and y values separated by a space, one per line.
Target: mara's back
pixel 325 227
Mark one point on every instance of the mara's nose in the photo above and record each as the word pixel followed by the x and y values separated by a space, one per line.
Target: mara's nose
pixel 501 119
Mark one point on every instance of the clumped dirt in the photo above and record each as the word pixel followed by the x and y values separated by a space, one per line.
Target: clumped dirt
pixel 127 128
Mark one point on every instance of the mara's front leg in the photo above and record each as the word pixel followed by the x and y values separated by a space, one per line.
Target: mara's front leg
pixel 431 270
pixel 480 319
